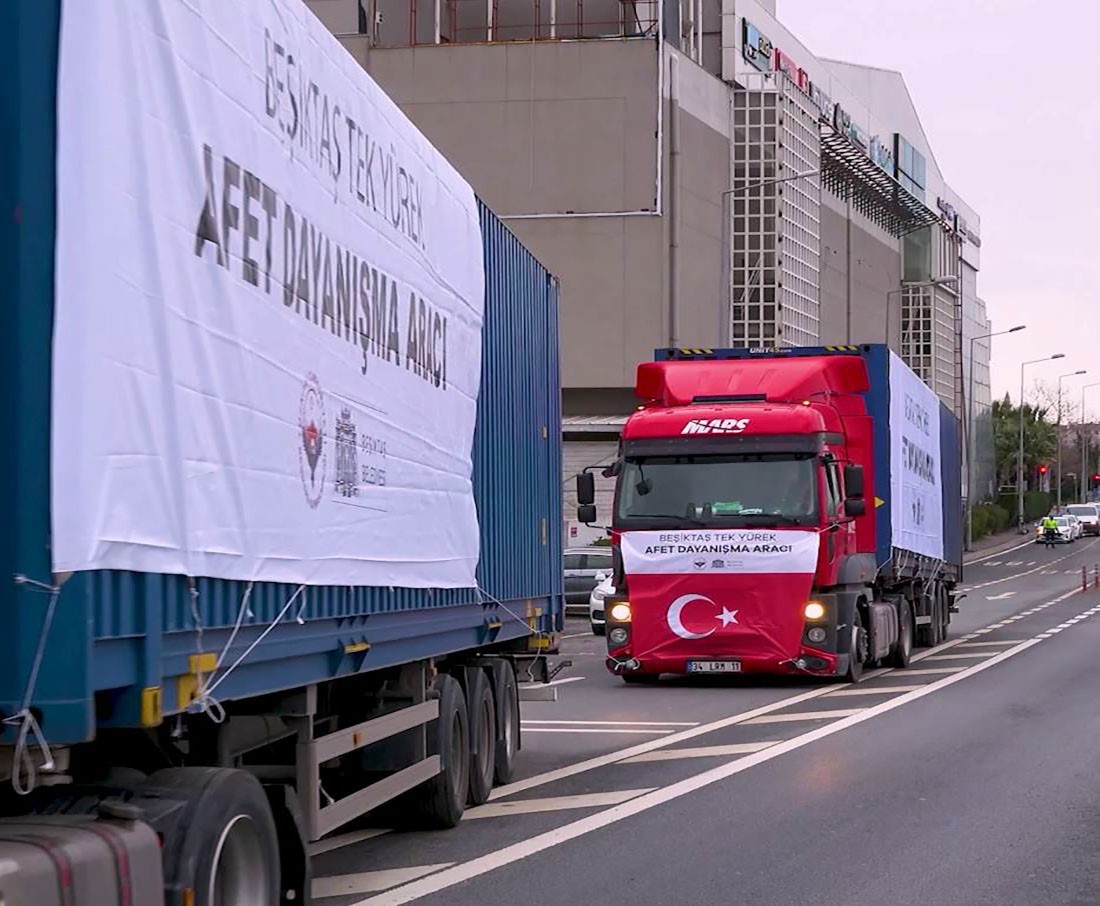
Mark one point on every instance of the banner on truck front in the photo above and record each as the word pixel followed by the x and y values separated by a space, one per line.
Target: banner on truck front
pixel 741 590
pixel 270 292
pixel 916 492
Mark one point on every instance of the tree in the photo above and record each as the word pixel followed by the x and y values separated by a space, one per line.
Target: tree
pixel 1040 439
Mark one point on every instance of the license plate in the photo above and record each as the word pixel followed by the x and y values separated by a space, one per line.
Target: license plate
pixel 714 667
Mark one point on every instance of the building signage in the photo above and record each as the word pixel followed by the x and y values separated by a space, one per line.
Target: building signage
pixel 882 155
pixel 798 75
pixel 755 47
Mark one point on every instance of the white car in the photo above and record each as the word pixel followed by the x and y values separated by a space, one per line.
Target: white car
pixel 596 605
pixel 1065 531
pixel 1076 525
pixel 1089 514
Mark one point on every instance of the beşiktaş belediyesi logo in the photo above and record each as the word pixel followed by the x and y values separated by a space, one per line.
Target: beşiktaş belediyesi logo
pixel 311 433
pixel 715 426
pixel 347 455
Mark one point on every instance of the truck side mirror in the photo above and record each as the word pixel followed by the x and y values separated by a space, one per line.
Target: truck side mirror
pixel 854 507
pixel 586 513
pixel 853 481
pixel 586 489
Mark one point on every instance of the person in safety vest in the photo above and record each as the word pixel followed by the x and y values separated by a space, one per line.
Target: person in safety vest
pixel 1050 530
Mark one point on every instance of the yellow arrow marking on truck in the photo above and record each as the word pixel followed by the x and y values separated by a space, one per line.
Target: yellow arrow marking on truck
pixel 879 502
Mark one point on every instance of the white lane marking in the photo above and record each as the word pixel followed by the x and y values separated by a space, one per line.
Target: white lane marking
pixel 600 761
pixel 1026 572
pixel 1001 596
pixel 959 657
pixel 737 748
pixel 803 715
pixel 871 690
pixel 641 732
pixel 611 723
pixel 553 838
pixel 992 643
pixel 565 680
pixel 552 804
pixel 371 881
pixel 331 843
pixel 579 635
pixel 998 554
pixel 928 671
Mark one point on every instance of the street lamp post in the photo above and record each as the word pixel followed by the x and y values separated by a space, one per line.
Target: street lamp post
pixel 947 280
pixel 1020 452
pixel 1084 445
pixel 727 241
pixel 1062 377
pixel 970 433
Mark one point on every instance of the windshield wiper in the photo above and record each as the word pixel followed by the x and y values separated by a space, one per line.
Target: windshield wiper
pixel 772 517
pixel 685 520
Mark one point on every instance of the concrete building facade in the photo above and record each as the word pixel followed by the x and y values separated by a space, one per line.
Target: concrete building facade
pixel 649 152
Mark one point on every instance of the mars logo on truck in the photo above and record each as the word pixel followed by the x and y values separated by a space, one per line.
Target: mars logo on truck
pixel 715 426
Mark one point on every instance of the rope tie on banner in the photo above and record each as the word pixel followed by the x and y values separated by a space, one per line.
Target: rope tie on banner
pixel 205 701
pixel 537 633
pixel 22 763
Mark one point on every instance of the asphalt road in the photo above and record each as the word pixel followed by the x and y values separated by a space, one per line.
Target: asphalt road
pixel 970 778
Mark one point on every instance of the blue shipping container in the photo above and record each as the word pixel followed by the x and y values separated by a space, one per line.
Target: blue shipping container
pixel 121 647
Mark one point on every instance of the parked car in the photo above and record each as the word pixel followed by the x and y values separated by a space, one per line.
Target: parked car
pixel 1075 525
pixel 585 568
pixel 596 600
pixel 1065 531
pixel 1089 514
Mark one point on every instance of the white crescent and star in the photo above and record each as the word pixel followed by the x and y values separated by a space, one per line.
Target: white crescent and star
pixel 676 623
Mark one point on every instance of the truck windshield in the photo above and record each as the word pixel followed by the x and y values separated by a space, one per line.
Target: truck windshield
pixel 724 490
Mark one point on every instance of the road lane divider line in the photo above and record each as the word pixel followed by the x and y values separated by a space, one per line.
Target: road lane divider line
pixel 552 804
pixel 1045 565
pixel 991 643
pixel 610 723
pixel 599 761
pixel 737 748
pixel 370 881
pixel 338 842
pixel 928 671
pixel 796 716
pixel 872 690
pixel 960 656
pixel 643 731
pixel 523 849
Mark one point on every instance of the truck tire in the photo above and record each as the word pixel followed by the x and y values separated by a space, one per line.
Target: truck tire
pixel 483 737
pixel 903 649
pixel 928 635
pixel 857 649
pixel 508 732
pixel 227 847
pixel 439 803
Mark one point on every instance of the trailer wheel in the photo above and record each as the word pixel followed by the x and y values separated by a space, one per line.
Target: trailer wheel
pixel 228 847
pixel 508 734
pixel 945 613
pixel 903 648
pixel 483 737
pixel 439 802
pixel 858 649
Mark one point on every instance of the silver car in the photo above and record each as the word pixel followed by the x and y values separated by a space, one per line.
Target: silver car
pixel 1088 514
pixel 585 568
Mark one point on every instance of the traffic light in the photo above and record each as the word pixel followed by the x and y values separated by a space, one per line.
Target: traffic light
pixel 1042 470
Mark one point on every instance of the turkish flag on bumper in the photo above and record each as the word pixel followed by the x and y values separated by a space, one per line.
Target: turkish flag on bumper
pixel 722 595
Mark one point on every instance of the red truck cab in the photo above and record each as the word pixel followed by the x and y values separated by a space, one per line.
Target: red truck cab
pixel 743 539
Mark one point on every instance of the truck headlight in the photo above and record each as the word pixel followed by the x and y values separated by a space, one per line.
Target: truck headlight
pixel 817 634
pixel 618 635
pixel 814 610
pixel 620 612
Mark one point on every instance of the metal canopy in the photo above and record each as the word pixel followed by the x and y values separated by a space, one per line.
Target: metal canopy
pixel 849 173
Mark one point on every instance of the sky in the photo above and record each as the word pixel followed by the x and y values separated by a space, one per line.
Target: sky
pixel 1009 99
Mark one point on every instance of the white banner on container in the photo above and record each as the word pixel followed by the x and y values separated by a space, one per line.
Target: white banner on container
pixel 270 291
pixel 916 492
pixel 742 551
